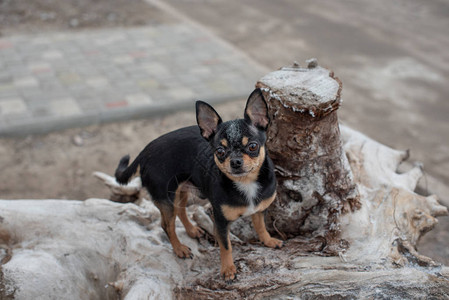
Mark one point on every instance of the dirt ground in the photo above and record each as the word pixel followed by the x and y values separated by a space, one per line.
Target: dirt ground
pixel 59 165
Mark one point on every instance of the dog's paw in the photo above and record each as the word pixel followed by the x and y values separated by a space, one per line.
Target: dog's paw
pixel 183 251
pixel 273 243
pixel 195 232
pixel 229 273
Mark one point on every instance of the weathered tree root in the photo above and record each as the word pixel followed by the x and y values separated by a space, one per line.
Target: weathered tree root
pixel 393 217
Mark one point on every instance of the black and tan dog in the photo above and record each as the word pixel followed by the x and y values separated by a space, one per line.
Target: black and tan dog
pixel 226 161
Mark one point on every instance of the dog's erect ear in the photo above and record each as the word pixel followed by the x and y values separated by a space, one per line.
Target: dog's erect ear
pixel 207 119
pixel 256 111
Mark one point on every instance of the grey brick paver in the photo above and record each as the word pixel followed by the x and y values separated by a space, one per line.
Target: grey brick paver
pixel 65 79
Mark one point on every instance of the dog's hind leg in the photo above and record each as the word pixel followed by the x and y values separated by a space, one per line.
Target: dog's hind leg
pixel 181 197
pixel 168 217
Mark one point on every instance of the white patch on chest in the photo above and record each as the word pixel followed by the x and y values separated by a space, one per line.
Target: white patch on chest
pixel 250 191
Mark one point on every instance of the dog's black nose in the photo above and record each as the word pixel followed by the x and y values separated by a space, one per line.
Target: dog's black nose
pixel 236 163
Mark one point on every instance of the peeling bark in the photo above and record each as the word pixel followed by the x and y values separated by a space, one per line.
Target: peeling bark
pixel 315 184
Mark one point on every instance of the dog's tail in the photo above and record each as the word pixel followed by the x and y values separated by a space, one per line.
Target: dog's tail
pixel 123 173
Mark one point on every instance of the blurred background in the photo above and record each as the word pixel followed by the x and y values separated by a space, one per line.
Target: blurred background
pixel 84 82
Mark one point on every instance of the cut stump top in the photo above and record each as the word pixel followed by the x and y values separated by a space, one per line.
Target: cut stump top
pixel 312 90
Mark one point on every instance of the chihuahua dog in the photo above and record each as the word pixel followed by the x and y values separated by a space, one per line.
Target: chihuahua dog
pixel 226 161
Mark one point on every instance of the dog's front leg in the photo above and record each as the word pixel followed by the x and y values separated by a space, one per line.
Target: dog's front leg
pixel 228 269
pixel 259 225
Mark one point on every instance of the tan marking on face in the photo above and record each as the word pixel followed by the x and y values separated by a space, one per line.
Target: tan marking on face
pixel 224 142
pixel 250 165
pixel 245 141
pixel 254 164
pixel 232 213
pixel 224 167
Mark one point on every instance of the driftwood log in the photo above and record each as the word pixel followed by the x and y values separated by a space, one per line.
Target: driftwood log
pixel 99 249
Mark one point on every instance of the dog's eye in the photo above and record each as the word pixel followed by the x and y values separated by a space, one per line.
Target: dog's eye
pixel 220 152
pixel 253 147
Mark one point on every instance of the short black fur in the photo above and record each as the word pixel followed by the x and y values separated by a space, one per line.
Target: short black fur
pixel 190 154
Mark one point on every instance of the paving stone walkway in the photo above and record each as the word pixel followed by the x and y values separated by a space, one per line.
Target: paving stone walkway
pixel 60 80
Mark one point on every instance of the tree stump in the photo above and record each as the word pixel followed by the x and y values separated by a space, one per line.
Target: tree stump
pixel 315 184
